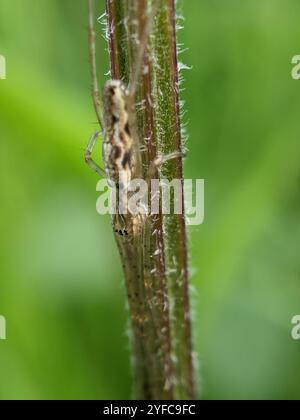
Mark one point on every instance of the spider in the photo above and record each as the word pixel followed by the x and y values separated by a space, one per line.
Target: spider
pixel 116 116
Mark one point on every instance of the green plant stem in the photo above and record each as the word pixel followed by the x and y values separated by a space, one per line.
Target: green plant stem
pixel 163 345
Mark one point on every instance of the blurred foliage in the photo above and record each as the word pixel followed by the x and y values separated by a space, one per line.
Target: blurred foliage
pixel 61 282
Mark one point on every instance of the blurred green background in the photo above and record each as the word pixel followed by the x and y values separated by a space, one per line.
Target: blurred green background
pixel 60 280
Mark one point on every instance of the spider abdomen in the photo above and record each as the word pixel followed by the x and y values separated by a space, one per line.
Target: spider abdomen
pixel 118 143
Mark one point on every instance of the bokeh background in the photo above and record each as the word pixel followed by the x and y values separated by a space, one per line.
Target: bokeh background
pixel 60 279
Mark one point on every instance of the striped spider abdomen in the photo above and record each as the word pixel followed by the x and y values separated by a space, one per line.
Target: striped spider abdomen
pixel 118 142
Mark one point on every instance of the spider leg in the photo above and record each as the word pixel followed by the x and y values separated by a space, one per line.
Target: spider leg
pixel 98 104
pixel 143 43
pixel 162 159
pixel 88 155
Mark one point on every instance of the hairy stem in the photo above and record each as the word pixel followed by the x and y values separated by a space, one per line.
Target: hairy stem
pixel 161 317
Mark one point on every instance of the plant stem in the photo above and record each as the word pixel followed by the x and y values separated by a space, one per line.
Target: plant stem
pixel 163 345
